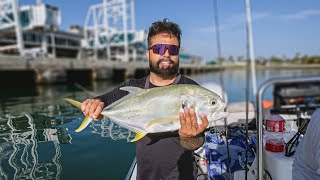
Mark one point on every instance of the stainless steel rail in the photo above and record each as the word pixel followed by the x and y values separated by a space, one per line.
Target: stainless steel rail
pixel 129 174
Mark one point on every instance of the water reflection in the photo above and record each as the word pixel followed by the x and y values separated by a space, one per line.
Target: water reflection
pixel 108 129
pixel 37 144
pixel 30 146
pixel 32 143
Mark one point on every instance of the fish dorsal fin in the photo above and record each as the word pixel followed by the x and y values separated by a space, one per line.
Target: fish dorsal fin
pixel 131 89
pixel 139 135
pixel 163 120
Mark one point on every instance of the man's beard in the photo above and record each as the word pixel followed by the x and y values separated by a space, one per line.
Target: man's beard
pixel 169 71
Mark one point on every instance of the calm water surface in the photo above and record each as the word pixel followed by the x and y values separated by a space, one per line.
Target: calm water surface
pixel 37 138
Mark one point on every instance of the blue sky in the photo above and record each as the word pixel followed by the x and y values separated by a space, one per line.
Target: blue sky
pixel 280 28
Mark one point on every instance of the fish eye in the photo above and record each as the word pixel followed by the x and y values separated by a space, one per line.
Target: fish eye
pixel 213 102
pixel 183 106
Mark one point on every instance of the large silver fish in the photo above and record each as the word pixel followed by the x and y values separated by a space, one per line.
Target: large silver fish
pixel 157 110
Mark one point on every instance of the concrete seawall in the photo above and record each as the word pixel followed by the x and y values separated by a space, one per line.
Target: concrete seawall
pixel 17 71
pixel 286 66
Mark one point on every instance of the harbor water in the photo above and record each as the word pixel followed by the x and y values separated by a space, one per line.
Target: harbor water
pixel 37 138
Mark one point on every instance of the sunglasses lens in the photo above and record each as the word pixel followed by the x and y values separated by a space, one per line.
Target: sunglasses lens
pixel 173 50
pixel 161 49
pixel 158 49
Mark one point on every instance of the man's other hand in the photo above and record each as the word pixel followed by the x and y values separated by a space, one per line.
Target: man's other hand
pixel 189 125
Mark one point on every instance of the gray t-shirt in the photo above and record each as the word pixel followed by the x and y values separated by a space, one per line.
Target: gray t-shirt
pixel 306 164
pixel 159 155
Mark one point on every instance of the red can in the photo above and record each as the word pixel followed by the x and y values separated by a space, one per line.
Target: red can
pixel 274 146
pixel 275 123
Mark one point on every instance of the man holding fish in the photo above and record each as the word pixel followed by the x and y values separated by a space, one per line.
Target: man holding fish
pixel 160 155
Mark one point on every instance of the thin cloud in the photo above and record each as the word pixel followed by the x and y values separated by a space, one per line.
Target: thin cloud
pixel 209 29
pixel 302 15
pixel 240 19
pixel 233 22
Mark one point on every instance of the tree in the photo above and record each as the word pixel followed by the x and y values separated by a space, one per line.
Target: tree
pixel 221 60
pixel 240 58
pixel 296 59
pixel 212 62
pixel 231 60
pixel 276 60
pixel 261 60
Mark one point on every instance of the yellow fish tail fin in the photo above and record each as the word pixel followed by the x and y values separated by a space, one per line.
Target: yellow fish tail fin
pixel 139 135
pixel 86 121
pixel 73 102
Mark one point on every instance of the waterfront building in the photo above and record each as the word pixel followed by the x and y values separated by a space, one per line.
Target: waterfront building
pixel 108 33
pixel 187 58
pixel 36 32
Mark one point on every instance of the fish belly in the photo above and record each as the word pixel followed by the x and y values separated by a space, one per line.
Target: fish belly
pixel 151 115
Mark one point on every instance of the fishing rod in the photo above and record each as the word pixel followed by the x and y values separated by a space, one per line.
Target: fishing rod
pixel 249 71
pixel 217 30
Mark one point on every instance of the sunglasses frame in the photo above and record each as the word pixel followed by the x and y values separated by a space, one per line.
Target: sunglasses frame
pixel 166 48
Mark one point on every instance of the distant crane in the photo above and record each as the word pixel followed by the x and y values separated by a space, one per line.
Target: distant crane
pixel 112 19
pixel 8 8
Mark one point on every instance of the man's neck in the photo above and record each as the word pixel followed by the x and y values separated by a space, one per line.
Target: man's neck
pixel 161 80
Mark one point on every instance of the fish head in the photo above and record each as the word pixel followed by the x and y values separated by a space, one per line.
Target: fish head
pixel 211 105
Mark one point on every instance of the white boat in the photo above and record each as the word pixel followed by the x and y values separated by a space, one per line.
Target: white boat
pixel 266 164
pixel 262 164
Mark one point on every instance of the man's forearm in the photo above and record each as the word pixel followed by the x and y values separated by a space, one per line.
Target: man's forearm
pixel 192 143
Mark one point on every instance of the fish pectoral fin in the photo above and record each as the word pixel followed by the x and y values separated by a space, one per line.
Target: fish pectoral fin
pixel 73 102
pixel 86 121
pixel 139 135
pixel 162 120
pixel 188 103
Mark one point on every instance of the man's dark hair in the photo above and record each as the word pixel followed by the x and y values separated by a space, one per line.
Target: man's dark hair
pixel 164 26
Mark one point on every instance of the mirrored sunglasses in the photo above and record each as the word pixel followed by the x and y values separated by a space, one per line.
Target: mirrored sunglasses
pixel 161 49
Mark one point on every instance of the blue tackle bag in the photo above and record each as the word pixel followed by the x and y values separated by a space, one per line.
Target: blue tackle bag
pixel 217 153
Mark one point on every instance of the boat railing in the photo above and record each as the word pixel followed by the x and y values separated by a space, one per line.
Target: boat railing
pixel 260 115
pixel 130 172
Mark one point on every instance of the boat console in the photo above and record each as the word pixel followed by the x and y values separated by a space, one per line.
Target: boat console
pixel 296 97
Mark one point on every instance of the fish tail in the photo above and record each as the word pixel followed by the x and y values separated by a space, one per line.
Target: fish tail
pixel 86 121
pixel 139 135
pixel 73 102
